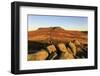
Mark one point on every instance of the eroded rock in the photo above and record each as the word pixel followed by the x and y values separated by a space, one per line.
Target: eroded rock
pixel 73 47
pixel 65 54
pixel 51 48
pixel 41 55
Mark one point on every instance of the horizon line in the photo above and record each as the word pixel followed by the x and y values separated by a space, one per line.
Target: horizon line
pixel 34 29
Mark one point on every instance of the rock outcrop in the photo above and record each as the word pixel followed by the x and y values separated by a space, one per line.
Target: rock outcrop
pixel 71 50
pixel 57 43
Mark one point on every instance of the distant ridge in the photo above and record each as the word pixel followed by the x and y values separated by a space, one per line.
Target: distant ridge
pixel 57 34
pixel 51 28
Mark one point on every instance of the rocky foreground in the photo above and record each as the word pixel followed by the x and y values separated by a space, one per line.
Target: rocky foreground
pixel 71 50
pixel 56 43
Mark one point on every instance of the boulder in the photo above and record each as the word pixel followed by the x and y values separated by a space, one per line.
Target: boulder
pixel 41 55
pixel 69 50
pixel 77 43
pixel 62 47
pixel 73 47
pixel 65 53
pixel 52 56
pixel 66 56
pixel 51 48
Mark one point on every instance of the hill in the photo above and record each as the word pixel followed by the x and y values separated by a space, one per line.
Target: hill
pixel 57 34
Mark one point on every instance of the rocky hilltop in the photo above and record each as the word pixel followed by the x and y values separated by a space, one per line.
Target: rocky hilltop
pixel 57 34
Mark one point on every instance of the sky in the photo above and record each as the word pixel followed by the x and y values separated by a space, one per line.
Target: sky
pixel 66 22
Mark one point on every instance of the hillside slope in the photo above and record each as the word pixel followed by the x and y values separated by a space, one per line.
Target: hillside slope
pixel 58 34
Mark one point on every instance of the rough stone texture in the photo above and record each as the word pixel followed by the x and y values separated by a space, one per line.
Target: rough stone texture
pixel 41 55
pixel 51 48
pixel 69 50
pixel 66 56
pixel 52 56
pixel 65 53
pixel 77 43
pixel 62 47
pixel 73 47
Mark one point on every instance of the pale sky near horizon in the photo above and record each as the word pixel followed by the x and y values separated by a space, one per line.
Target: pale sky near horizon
pixel 66 22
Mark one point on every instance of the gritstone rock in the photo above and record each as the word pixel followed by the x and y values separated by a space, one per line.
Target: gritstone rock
pixel 73 47
pixel 64 52
pixel 41 55
pixel 51 48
